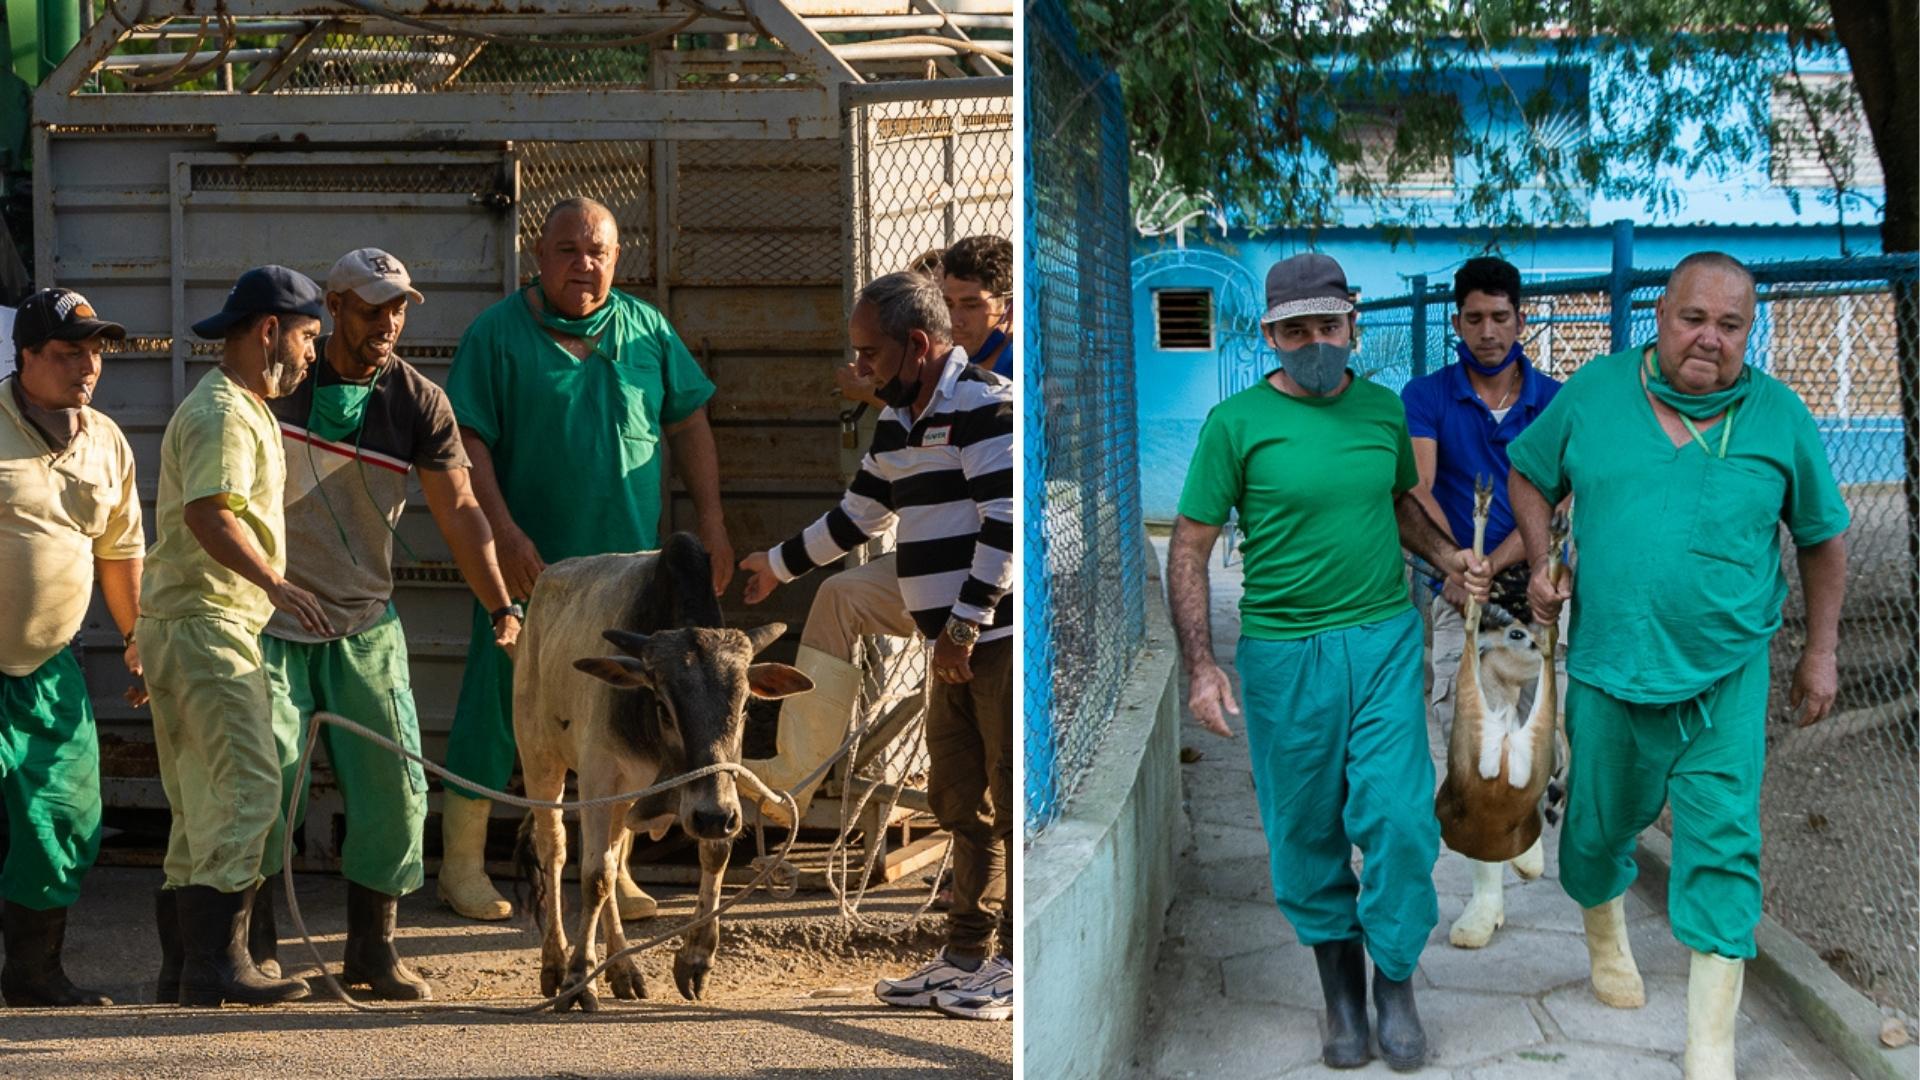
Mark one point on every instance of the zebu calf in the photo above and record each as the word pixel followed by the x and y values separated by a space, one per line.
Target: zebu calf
pixel 673 703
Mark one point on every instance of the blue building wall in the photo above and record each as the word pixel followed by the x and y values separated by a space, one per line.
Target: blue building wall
pixel 1734 207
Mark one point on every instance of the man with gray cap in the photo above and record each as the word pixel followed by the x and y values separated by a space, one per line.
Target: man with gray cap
pixel 352 433
pixel 69 514
pixel 1319 466
pixel 214 577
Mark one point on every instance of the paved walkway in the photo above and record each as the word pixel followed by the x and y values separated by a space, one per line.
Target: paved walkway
pixel 1238 997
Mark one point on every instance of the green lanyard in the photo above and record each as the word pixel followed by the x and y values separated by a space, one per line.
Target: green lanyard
pixel 1726 424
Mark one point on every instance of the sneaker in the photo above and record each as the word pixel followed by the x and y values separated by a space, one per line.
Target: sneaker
pixel 916 990
pixel 987 994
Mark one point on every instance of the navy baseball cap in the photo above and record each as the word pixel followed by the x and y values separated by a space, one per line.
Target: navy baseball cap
pixel 60 314
pixel 265 290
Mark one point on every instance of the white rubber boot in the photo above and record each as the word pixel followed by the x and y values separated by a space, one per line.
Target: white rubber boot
pixel 1713 1006
pixel 463 856
pixel 812 726
pixel 1616 981
pixel 1485 913
pixel 1533 861
pixel 633 900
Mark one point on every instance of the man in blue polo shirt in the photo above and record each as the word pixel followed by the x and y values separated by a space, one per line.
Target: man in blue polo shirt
pixel 1461 419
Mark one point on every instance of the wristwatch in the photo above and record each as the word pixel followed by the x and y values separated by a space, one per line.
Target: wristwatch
pixel 514 610
pixel 961 632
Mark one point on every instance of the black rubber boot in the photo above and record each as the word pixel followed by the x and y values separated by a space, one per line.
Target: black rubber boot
pixel 1403 1042
pixel 166 916
pixel 263 936
pixel 1343 982
pixel 371 960
pixel 33 975
pixel 214 966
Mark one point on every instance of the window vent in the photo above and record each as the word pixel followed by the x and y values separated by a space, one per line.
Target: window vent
pixel 1183 320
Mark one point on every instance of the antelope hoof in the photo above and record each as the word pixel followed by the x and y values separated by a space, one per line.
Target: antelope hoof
pixel 1532 862
pixel 690 974
pixel 549 980
pixel 628 983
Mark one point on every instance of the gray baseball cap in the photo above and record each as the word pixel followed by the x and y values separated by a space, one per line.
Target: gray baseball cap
pixel 373 276
pixel 1309 284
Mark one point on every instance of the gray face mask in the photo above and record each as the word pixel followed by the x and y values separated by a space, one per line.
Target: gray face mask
pixel 1318 367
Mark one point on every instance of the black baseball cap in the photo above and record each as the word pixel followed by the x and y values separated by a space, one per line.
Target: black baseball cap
pixel 59 315
pixel 265 290
pixel 1308 284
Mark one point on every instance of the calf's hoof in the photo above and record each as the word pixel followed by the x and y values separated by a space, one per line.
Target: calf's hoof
pixel 690 974
pixel 628 982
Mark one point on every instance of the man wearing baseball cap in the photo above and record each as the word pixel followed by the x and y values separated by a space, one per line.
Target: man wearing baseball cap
pixel 214 577
pixel 352 433
pixel 69 514
pixel 1319 466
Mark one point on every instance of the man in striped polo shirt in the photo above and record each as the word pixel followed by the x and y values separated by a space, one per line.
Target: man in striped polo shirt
pixel 940 471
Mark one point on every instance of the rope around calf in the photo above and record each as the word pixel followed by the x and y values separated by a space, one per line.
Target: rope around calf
pixel 768 866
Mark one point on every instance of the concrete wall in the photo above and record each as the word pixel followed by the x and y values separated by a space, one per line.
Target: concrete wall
pixel 1099 879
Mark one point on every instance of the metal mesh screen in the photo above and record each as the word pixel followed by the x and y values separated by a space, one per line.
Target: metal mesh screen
pixel 1840 805
pixel 1085 566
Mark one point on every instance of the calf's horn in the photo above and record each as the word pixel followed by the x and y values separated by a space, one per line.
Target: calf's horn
pixel 762 636
pixel 626 641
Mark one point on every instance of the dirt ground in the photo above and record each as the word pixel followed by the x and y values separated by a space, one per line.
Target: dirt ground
pixel 790 996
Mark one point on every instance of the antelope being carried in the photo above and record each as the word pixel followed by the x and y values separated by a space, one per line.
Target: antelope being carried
pixel 1498 766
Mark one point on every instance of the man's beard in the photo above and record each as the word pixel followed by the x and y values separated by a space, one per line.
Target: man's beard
pixel 282 373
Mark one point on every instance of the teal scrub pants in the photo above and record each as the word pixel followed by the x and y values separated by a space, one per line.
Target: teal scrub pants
pixel 1337 727
pixel 480 746
pixel 365 679
pixel 1704 754
pixel 50 777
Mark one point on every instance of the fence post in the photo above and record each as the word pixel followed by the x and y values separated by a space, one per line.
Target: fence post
pixel 1620 290
pixel 1417 328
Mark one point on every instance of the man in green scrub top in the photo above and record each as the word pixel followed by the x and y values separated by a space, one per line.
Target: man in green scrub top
pixel 1683 462
pixel 214 577
pixel 1319 466
pixel 564 392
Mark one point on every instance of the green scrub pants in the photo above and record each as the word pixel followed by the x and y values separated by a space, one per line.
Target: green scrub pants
pixel 50 777
pixel 1337 729
pixel 1704 754
pixel 213 727
pixel 365 679
pixel 480 746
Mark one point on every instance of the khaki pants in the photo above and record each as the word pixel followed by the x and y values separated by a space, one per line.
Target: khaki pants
pixel 219 765
pixel 970 786
pixel 854 602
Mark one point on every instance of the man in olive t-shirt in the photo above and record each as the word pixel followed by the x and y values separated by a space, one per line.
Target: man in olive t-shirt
pixel 1319 466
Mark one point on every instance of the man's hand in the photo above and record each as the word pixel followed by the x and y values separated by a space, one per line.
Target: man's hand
pixel 520 562
pixel 713 534
pixel 1544 597
pixel 136 694
pixel 856 387
pixel 1474 573
pixel 506 634
pixel 951 661
pixel 1454 591
pixel 762 583
pixel 1815 683
pixel 1210 698
pixel 302 605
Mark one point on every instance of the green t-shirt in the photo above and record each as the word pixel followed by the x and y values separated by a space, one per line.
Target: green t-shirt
pixel 1678 577
pixel 221 441
pixel 575 443
pixel 1314 480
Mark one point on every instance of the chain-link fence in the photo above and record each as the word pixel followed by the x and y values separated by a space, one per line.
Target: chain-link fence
pixel 1085 552
pixel 1840 806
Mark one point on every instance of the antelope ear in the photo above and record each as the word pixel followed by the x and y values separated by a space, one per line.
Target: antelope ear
pixel 777 680
pixel 621 671
pixel 762 636
pixel 626 641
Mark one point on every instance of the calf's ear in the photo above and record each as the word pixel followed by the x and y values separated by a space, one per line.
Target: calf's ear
pixel 618 670
pixel 777 680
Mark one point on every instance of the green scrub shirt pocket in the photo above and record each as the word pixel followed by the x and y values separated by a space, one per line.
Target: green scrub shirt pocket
pixel 641 392
pixel 1739 513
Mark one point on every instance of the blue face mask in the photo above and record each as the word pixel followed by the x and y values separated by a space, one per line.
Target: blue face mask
pixel 1466 356
pixel 1318 367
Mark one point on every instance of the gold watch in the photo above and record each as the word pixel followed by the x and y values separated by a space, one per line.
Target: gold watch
pixel 961 632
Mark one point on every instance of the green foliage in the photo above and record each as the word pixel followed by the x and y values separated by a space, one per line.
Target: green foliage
pixel 1279 112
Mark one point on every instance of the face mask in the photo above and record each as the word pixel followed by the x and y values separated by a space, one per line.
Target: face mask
pixel 1473 362
pixel 59 426
pixel 1317 367
pixel 338 409
pixel 896 393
